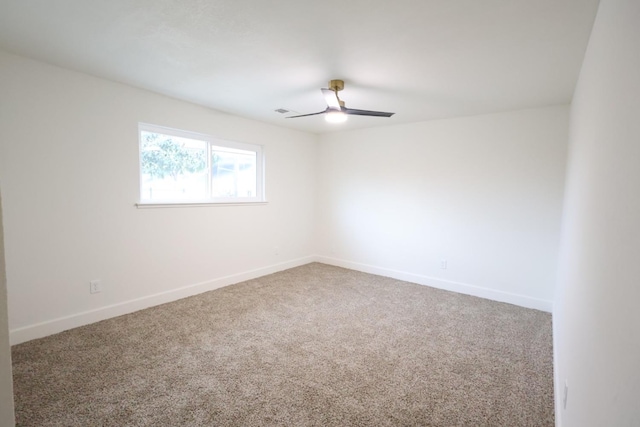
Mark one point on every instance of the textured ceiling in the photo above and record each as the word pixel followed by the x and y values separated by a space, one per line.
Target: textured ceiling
pixel 422 59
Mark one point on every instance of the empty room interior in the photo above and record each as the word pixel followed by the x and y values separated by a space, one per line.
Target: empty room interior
pixel 320 213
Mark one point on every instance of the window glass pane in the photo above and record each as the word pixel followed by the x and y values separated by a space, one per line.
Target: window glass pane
pixel 178 166
pixel 173 168
pixel 233 173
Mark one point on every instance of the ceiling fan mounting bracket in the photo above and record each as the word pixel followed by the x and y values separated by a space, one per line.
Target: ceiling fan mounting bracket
pixel 336 85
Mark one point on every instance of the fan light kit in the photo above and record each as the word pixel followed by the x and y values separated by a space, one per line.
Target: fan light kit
pixel 336 112
pixel 335 117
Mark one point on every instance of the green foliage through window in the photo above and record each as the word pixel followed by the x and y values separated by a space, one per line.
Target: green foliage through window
pixel 162 157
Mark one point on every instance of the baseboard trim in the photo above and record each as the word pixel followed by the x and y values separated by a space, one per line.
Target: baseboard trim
pixel 462 288
pixel 50 327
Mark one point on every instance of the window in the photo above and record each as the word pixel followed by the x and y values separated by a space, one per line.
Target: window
pixel 180 167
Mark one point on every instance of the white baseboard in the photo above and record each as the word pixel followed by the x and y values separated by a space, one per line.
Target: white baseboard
pixel 39 330
pixel 463 288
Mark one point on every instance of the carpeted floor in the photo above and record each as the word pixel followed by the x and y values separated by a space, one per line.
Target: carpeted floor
pixel 312 346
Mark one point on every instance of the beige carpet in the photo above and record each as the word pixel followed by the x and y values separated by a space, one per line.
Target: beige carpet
pixel 312 346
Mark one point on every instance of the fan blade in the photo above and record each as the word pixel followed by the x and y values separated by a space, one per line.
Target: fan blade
pixel 367 112
pixel 305 115
pixel 332 99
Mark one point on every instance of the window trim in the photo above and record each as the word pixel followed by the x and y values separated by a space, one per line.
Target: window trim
pixel 153 205
pixel 211 141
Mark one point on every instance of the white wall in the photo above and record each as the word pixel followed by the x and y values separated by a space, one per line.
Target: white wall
pixel 597 312
pixel 6 380
pixel 69 167
pixel 483 192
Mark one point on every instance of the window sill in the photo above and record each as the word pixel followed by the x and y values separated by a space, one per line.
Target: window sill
pixel 195 204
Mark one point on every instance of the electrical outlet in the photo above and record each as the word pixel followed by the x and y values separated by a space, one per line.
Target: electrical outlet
pixel 443 264
pixel 95 286
pixel 565 395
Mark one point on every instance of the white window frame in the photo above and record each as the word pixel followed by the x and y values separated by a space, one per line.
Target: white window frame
pixel 211 142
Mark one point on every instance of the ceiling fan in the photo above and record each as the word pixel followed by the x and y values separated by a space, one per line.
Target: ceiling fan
pixel 336 112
